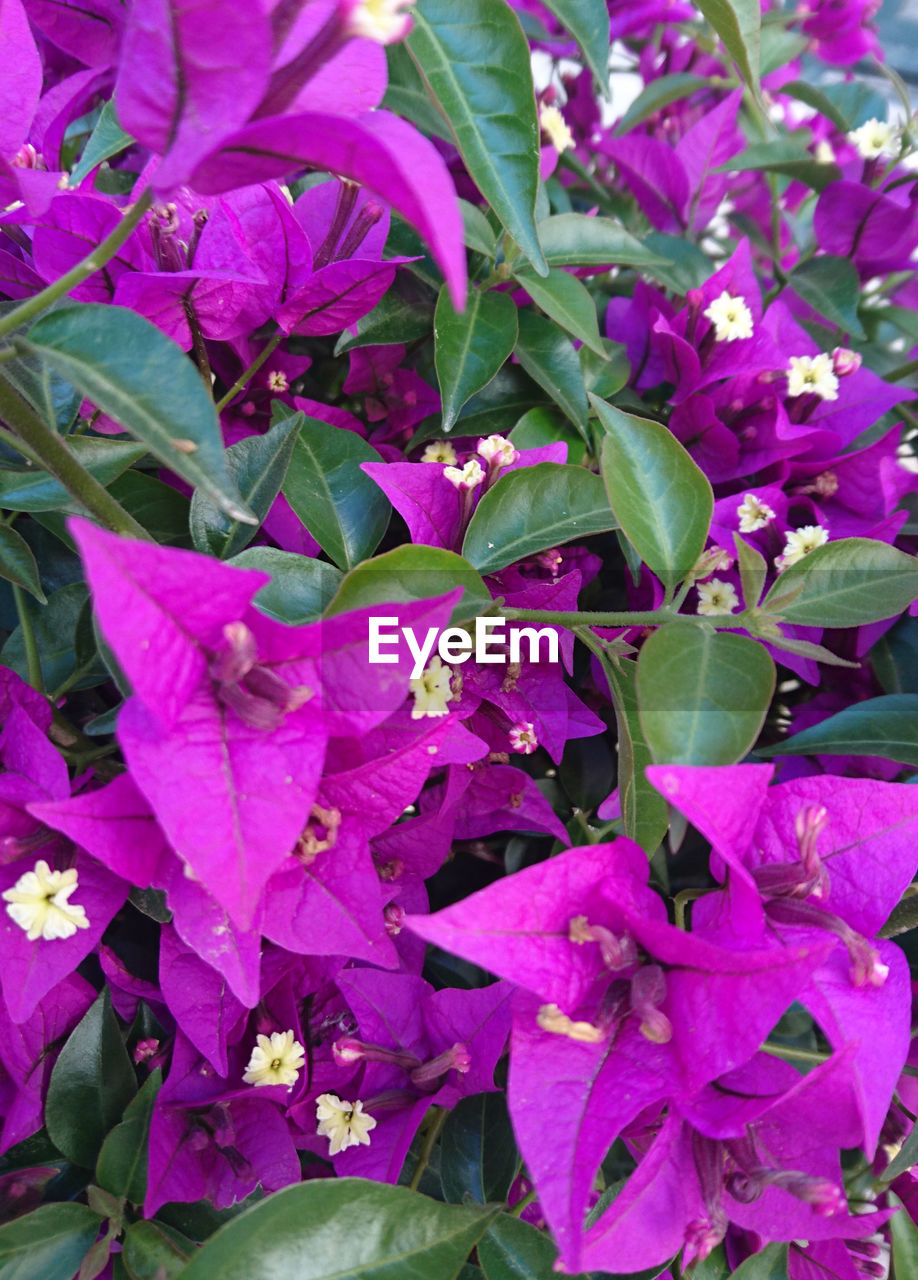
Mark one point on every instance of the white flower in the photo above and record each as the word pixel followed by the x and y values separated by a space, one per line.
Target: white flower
pixel 875 139
pixel 823 153
pixel 38 903
pixel 553 124
pixel 523 737
pixel 439 451
pixel 497 449
pixel 345 1125
pixel 278 380
pixel 812 375
pixel 381 20
pixel 431 690
pixel 753 514
pixel 800 542
pixel 276 1059
pixel 730 317
pixel 716 597
pixel 468 477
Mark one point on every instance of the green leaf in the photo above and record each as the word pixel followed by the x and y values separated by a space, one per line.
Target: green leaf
pixel 832 286
pixel 52 396
pixel 605 375
pixel 162 510
pixel 658 94
pixel 752 570
pixel 406 94
pixel 341 507
pixel 686 267
pixel 153 1251
pixel 565 300
pixel 783 155
pixel 644 811
pixel 134 373
pixel 91 1084
pixel 703 694
pixel 576 240
pixel 904 1245
pixel 300 586
pixel 513 1250
pixel 475 61
pixel 886 726
pixel 470 346
pixel 857 102
pixel 847 583
pixel 588 23
pixel 818 100
pixel 122 1164
pixel 738 23
pixel 257 466
pixel 908 1153
pixel 55 625
pixel 479 234
pixel 403 314
pixel 107 139
pixel 551 360
pixel 343 1229
pixel 541 426
pixel 660 497
pixel 478 1154
pixel 770 1264
pixel 49 1243
pixel 412 573
pixel 17 563
pixel 894 657
pixel 532 509
pixel 33 490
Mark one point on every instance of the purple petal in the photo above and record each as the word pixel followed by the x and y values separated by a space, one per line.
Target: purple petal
pixel 22 75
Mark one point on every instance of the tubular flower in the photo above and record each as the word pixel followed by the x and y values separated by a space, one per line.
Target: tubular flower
pixel 276 1059
pixel 38 902
pixel 730 317
pixel 345 1124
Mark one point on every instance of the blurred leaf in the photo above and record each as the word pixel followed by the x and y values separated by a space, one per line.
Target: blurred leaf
pixel 107 139
pixel 644 811
pixel 819 101
pixel 579 240
pixel 885 726
pixel 565 300
pixel 300 587
pixel 470 346
pixel 770 1264
pixel 412 573
pixel 752 570
pixel 479 234
pixel 738 23
pixel 159 507
pixel 588 23
pixel 894 657
pixel 856 102
pixel 122 1164
pixel 831 286
pixel 54 625
pixel 657 94
pixel 904 1246
pixel 30 489
pixel 847 583
pixel 17 563
pixel 784 155
pixel 478 1156
pixel 551 360
pixel 398 317
pixel 48 1244
pixel 682 265
pixel 153 1251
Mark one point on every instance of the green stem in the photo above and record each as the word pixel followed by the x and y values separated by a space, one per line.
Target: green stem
pixel 810 1055
pixel 243 380
pixel 52 453
pixel 430 1140
pixel 523 1203
pixel 82 271
pixel 655 617
pixel 20 446
pixel 902 371
pixel 33 661
pixel 681 901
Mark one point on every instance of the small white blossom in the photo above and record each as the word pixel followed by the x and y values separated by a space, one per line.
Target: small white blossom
pixel 753 514
pixel 38 903
pixel 730 317
pixel 716 597
pixel 439 451
pixel 553 124
pixel 875 139
pixel 276 1059
pixel 468 477
pixel 823 153
pixel 431 690
pixel 381 20
pixel 343 1123
pixel 278 380
pixel 813 376
pixel 523 737
pixel 497 449
pixel 800 542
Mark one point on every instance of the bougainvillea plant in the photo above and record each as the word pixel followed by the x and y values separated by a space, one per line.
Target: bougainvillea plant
pixel 459 621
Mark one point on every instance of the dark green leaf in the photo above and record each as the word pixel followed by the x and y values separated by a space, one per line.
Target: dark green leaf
pixel 660 93
pixel 818 100
pixel 153 1251
pixel 588 23
pixel 532 509
pixel 660 497
pixel 576 240
pixel 300 587
pixel 479 234
pixel 160 508
pixel 133 372
pixel 91 1084
pixel 257 466
pixel 475 61
pixel 806 649
pixel 644 810
pixel 54 625
pixel 199 1220
pixel 551 360
pixel 478 1156
pixel 703 694
pixel 152 902
pixel 752 570
pixel 407 96
pixel 17 563
pixel 904 1246
pixel 107 139
pixel 122 1164
pixel 770 1264
pixel 48 1244
pixel 543 426
pixel 33 490
pixel 885 726
pixel 498 406
pixel 831 286
pixel 686 267
pixel 341 507
pixel 738 23
pixel 470 346
pixel 401 315
pixel 907 1156
pixel 847 583
pixel 565 300
pixel 53 397
pixel 784 155
pixel 605 375
pixel 895 657
pixel 514 1250
pixel 412 573
pixel 343 1229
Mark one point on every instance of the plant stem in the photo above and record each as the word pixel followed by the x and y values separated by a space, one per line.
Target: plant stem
pixel 430 1140
pixel 52 453
pixel 20 446
pixel 810 1055
pixel 655 617
pixel 243 380
pixel 33 662
pixel 82 271
pixel 681 901
pixel 523 1203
